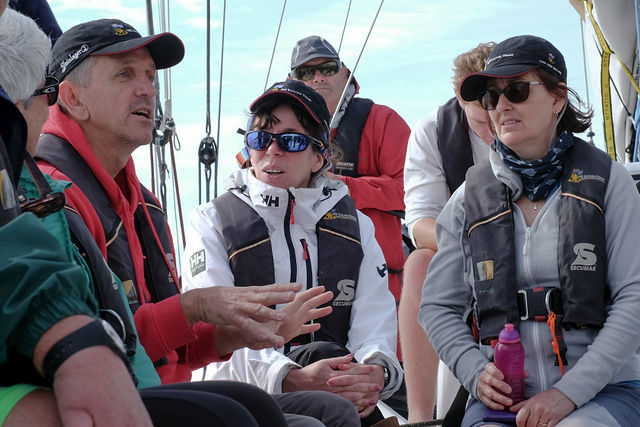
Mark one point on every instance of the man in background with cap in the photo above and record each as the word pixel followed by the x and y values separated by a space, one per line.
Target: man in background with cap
pixel 373 139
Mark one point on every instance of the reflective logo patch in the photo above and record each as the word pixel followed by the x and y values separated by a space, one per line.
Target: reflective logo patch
pixel 585 258
pixel 130 291
pixel 347 292
pixel 7 196
pixel 197 263
pixel 484 270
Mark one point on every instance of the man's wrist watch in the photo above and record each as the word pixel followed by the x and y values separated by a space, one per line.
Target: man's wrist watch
pixel 99 332
pixel 387 375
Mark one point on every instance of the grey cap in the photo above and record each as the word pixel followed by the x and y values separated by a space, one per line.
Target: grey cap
pixel 311 47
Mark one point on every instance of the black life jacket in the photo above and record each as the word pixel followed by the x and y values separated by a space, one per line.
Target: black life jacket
pixel 339 257
pixel 349 134
pixel 454 143
pixel 581 242
pixel 158 274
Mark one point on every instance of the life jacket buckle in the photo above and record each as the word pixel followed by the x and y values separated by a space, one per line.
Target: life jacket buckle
pixel 538 303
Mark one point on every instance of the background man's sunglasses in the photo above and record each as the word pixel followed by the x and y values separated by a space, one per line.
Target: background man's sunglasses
pixel 292 142
pixel 515 92
pixel 306 73
pixel 50 89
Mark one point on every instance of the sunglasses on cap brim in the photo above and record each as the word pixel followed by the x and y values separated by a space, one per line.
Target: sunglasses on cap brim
pixel 515 92
pixel 291 142
pixel 307 72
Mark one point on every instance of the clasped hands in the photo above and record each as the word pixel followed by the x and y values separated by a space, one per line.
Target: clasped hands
pixel 358 382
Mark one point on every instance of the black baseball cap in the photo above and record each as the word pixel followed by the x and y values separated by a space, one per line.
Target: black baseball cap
pixel 308 98
pixel 312 47
pixel 110 37
pixel 513 57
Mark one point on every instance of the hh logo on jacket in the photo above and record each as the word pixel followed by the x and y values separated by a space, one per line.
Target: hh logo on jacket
pixel 197 263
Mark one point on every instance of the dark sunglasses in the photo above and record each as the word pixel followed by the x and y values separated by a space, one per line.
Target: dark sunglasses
pixel 50 88
pixel 291 142
pixel 515 92
pixel 306 73
pixel 44 205
pixel 48 202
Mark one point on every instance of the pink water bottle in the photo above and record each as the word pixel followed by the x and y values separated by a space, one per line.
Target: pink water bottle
pixel 509 358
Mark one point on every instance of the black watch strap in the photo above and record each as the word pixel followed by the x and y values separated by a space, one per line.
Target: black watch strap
pixel 96 333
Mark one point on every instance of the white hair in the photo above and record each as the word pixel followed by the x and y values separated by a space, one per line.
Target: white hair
pixel 25 52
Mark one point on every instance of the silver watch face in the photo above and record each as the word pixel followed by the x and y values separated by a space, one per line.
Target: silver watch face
pixel 113 335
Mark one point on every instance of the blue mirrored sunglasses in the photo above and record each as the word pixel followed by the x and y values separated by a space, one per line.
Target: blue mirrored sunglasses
pixel 291 142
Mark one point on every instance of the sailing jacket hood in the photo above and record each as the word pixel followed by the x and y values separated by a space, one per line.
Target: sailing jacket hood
pixel 372 332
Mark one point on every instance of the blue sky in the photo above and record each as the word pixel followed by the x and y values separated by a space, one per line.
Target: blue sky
pixel 406 63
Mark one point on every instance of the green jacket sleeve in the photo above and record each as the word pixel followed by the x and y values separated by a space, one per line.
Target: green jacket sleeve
pixel 39 286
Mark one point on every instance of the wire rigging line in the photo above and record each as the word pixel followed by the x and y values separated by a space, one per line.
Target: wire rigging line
pixel 208 149
pixel 266 82
pixel 346 86
pixel 590 134
pixel 344 27
pixel 215 175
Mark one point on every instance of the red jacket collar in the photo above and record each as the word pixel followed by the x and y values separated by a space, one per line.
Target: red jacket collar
pixel 61 125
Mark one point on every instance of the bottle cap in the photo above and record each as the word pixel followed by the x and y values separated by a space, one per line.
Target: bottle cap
pixel 509 334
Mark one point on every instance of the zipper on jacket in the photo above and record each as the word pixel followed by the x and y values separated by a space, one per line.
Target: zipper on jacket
pixel 288 220
pixel 307 263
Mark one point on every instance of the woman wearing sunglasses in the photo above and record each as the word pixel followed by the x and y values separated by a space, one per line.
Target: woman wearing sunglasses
pixel 543 235
pixel 283 220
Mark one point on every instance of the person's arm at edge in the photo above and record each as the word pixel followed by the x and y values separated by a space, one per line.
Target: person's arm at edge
pixel 447 298
pixel 85 396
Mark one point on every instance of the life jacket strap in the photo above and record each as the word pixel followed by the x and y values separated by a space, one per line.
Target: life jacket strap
pixel 538 303
pixel 545 305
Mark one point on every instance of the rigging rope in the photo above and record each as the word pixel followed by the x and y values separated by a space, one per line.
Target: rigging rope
pixel 604 84
pixel 273 52
pixel 590 134
pixel 636 122
pixel 604 81
pixel 344 27
pixel 344 92
pixel 208 150
pixel 215 177
pixel 164 132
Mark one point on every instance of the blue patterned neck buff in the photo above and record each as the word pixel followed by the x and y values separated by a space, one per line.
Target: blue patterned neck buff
pixel 539 177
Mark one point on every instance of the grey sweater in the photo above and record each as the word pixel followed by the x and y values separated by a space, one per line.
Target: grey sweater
pixel 595 358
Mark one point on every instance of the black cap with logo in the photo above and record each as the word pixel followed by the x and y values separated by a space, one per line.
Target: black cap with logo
pixel 513 57
pixel 110 37
pixel 308 98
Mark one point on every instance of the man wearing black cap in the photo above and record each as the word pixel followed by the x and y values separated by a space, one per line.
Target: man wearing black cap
pixel 105 111
pixel 44 298
pixel 373 139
